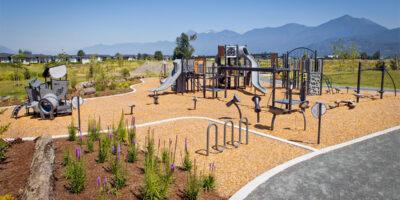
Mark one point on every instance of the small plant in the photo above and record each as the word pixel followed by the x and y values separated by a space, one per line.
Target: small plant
pixel 90 145
pixel 104 149
pixel 66 158
pixel 157 177
pixel 187 163
pixel 121 129
pixel 75 173
pixel 7 197
pixel 72 131
pixel 103 188
pixel 3 144
pixel 132 152
pixel 193 187
pixel 118 171
pixel 208 181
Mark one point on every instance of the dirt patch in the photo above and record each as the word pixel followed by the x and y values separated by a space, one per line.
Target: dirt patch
pixel 14 171
pixel 94 169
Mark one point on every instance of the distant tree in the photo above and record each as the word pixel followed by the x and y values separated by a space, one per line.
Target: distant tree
pixel 62 57
pixel 145 56
pixel 27 74
pixel 125 73
pixel 376 55
pixel 158 55
pixel 352 51
pixel 183 48
pixel 394 63
pixel 339 50
pixel 139 56
pixel 27 53
pixel 364 55
pixel 80 53
pixel 118 56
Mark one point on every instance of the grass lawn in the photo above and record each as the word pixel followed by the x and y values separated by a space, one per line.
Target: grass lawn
pixel 77 71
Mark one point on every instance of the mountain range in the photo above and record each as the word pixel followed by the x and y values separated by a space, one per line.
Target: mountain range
pixel 366 34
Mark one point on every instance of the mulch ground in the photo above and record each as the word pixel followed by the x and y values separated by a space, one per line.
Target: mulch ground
pixel 94 169
pixel 14 171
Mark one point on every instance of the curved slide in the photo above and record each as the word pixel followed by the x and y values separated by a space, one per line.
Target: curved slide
pixel 170 80
pixel 255 76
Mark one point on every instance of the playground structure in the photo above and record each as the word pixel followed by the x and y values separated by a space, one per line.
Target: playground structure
pixel 235 68
pixel 383 70
pixel 47 99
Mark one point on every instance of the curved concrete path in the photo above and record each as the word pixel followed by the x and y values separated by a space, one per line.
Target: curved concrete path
pixel 369 169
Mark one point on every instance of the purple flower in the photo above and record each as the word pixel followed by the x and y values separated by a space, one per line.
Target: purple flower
pixel 186 145
pixel 173 167
pixel 105 181
pixel 98 181
pixel 78 153
pixel 113 149
pixel 119 151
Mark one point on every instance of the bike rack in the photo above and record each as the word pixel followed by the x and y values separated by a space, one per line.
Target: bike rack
pixel 216 138
pixel 232 133
pixel 246 122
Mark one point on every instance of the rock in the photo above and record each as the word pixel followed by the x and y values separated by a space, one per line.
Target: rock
pixel 89 91
pixel 5 98
pixel 41 179
pixel 87 84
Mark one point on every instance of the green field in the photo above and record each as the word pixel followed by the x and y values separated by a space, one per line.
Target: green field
pixel 344 73
pixel 76 73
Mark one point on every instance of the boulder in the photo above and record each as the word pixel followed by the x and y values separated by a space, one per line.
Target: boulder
pixel 41 179
pixel 89 91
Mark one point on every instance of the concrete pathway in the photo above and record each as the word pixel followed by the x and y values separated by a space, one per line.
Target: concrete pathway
pixel 366 170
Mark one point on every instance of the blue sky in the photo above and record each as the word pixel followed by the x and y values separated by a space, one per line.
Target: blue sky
pixel 53 25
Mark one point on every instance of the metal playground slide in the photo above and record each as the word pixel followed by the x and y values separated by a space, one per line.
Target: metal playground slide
pixel 170 80
pixel 255 76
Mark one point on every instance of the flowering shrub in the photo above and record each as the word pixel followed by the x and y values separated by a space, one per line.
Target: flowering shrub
pixel 75 173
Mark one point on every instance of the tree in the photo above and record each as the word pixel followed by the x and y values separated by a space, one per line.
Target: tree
pixel 118 56
pixel 352 51
pixel 394 63
pixel 125 73
pixel 139 56
pixel 183 48
pixel 376 55
pixel 339 49
pixel 62 57
pixel 80 53
pixel 364 55
pixel 158 55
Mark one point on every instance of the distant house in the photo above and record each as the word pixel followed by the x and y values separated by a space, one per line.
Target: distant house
pixel 87 58
pixel 5 58
pixel 129 57
pixel 72 59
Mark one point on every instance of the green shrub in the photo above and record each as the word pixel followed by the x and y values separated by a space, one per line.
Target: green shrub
pixel 7 197
pixel 75 173
pixel 3 148
pixel 132 153
pixel 157 177
pixel 187 163
pixel 89 144
pixel 27 74
pixel 72 131
pixel 104 149
pixel 118 171
pixel 208 182
pixel 121 130
pixel 193 186
pixel 66 158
